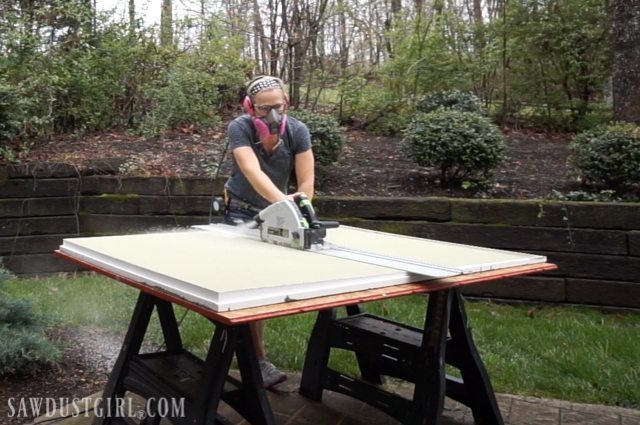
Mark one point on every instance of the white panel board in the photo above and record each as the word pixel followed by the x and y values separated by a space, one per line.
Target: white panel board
pixel 223 271
pixel 225 268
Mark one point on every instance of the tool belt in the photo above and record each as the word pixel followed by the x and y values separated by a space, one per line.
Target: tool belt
pixel 234 203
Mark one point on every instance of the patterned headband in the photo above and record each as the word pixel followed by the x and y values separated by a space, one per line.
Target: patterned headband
pixel 263 83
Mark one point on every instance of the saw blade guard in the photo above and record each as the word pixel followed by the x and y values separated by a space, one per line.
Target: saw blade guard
pixel 292 223
pixel 281 223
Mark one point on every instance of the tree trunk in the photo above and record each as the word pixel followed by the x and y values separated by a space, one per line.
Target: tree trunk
pixel 274 42
pixel 295 54
pixel 166 24
pixel 506 110
pixel 396 9
pixel 344 39
pixel 625 43
pixel 132 17
pixel 438 7
pixel 418 7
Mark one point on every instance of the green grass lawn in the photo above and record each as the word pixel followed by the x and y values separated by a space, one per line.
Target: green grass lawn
pixel 575 354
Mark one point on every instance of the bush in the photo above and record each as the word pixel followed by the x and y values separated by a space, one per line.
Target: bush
pixel 451 99
pixel 327 138
pixel 373 107
pixel 189 96
pixel 112 77
pixel 462 145
pixel 9 120
pixel 15 312
pixel 608 154
pixel 24 348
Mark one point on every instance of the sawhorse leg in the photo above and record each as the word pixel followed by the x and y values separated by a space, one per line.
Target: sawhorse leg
pixel 249 399
pixel 367 364
pixel 318 352
pixel 114 390
pixel 430 381
pixel 317 357
pixel 477 392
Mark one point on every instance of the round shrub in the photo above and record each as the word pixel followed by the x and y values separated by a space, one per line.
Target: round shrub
pixel 24 350
pixel 608 154
pixel 461 145
pixel 451 99
pixel 24 347
pixel 327 138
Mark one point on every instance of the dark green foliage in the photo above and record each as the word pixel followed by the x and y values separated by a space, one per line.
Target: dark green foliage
pixel 461 145
pixel 327 138
pixel 83 77
pixel 24 350
pixel 385 116
pixel 609 155
pixel 368 104
pixel 15 312
pixel 9 123
pixel 549 56
pixel 559 59
pixel 65 70
pixel 24 347
pixel 450 99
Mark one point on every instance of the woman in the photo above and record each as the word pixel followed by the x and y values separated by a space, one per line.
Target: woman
pixel 267 148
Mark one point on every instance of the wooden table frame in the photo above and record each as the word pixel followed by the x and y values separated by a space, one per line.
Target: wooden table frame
pixel 139 372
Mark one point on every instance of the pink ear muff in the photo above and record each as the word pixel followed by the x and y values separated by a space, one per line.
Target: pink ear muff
pixel 247 105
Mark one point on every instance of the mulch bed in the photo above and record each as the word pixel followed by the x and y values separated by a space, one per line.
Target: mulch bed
pixel 370 165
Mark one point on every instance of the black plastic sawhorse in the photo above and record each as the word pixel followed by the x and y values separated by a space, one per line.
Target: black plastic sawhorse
pixel 179 376
pixel 386 348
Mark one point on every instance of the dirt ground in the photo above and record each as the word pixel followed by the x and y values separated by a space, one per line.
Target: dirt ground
pixel 370 165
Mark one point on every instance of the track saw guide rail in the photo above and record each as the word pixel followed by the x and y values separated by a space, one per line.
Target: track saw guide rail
pixel 294 224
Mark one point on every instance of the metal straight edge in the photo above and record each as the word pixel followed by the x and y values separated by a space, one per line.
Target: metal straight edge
pixel 426 270
pixel 419 268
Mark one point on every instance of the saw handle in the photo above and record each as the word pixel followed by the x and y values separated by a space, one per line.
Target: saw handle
pixel 304 204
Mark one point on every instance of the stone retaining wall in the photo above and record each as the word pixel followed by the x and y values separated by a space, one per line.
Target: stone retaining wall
pixel 596 245
pixel 42 204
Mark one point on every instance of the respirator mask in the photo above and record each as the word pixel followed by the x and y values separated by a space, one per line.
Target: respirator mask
pixel 270 124
pixel 272 120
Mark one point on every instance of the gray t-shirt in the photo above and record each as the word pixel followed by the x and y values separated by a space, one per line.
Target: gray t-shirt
pixel 278 166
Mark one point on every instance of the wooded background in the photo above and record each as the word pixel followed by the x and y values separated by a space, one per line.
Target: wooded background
pixel 557 64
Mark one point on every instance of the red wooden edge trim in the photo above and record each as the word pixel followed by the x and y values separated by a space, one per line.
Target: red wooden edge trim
pixel 253 314
pixel 340 300
pixel 156 292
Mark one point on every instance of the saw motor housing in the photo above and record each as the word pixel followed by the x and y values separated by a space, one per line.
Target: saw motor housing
pixel 292 224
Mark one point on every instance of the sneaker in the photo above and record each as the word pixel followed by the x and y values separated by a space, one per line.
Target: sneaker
pixel 271 375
